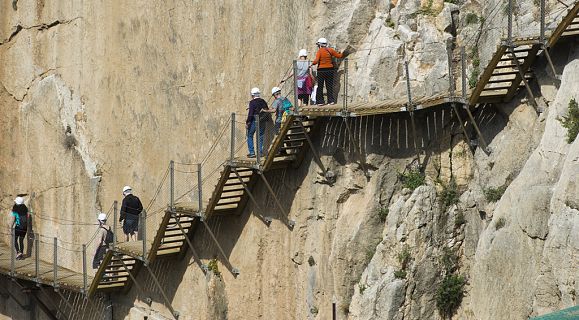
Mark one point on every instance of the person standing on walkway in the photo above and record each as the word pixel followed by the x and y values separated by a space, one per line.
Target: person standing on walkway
pixel 256 106
pixel 131 209
pixel 20 220
pixel 105 238
pixel 326 71
pixel 304 78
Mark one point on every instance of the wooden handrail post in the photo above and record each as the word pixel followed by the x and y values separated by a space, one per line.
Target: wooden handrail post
pixel 200 187
pixel 84 272
pixel 115 217
pixel 172 184
pixel 232 155
pixel 55 264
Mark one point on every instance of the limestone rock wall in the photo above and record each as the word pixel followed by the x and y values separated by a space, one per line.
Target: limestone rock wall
pixel 97 95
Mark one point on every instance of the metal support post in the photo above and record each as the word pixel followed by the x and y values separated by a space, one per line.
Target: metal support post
pixel 84 272
pixel 291 223
pixel 411 109
pixel 250 194
pixel 510 23
pixel 542 13
pixel 351 136
pixel 115 217
pixel 257 138
pixel 144 233
pixel 452 93
pixel 478 132
pixel 334 313
pixel 522 75
pixel 55 265
pixel 172 184
pixel 296 98
pixel 36 257
pixel 200 187
pixel 156 281
pixel 232 155
pixel 235 271
pixel 139 288
pixel 12 248
pixel 460 120
pixel 326 173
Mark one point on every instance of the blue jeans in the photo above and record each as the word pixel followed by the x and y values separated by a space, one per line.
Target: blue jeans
pixel 251 132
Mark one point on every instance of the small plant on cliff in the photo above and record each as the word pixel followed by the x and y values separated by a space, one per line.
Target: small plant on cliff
pixel 412 179
pixel 404 257
pixel 459 220
pixel 449 294
pixel 213 267
pixel 449 260
pixel 571 121
pixel 475 72
pixel 383 214
pixel 449 194
pixel 494 194
pixel 500 223
pixel 400 274
pixel 471 18
pixel 361 288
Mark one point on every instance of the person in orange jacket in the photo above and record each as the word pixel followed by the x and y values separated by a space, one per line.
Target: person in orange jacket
pixel 326 71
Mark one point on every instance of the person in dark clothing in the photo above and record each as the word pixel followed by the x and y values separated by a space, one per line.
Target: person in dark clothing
pixel 130 211
pixel 256 105
pixel 326 71
pixel 20 221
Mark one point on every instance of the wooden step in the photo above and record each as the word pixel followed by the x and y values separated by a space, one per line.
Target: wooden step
pixel 508 66
pixel 225 207
pixel 236 182
pixel 173 241
pixel 108 283
pixel 228 202
pixel 231 197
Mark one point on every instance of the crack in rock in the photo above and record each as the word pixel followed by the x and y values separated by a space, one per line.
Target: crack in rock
pixel 39 77
pixel 38 27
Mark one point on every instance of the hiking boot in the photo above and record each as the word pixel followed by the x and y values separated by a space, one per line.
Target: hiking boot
pixel 251 155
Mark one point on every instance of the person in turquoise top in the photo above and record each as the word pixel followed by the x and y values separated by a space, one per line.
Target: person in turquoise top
pixel 20 220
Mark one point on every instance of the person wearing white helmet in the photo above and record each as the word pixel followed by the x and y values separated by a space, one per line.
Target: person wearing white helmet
pixel 131 209
pixel 20 221
pixel 281 106
pixel 104 237
pixel 257 106
pixel 326 71
pixel 304 78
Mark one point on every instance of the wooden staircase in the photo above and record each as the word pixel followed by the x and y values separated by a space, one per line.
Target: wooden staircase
pixel 503 77
pixel 113 273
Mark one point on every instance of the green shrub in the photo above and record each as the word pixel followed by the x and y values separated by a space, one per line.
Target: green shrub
pixel 314 310
pixel 471 18
pixel 571 121
pixel 494 194
pixel 400 274
pixel 390 23
pixel 473 79
pixel 383 214
pixel 449 194
pixel 449 294
pixel 404 257
pixel 362 288
pixel 412 179
pixel 500 223
pixel 449 260
pixel 213 267
pixel 452 1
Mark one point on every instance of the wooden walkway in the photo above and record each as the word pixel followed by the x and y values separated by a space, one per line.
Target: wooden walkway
pixel 27 270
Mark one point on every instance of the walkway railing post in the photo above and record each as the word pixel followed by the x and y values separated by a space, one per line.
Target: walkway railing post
pixel 12 248
pixel 463 71
pixel 36 257
pixel 542 13
pixel 296 97
pixel 451 91
pixel 232 155
pixel 257 138
pixel 171 184
pixel 510 23
pixel 115 217
pixel 144 232
pixel 200 187
pixel 345 91
pixel 451 83
pixel 55 264
pixel 84 275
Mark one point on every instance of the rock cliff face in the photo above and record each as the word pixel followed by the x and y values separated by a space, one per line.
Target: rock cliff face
pixel 97 95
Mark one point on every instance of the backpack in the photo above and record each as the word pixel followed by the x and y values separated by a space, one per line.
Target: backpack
pixel 21 221
pixel 285 107
pixel 109 237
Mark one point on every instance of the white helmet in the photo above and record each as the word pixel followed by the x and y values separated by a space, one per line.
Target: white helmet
pixel 127 188
pixel 19 200
pixel 303 53
pixel 255 91
pixel 102 217
pixel 275 90
pixel 322 41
